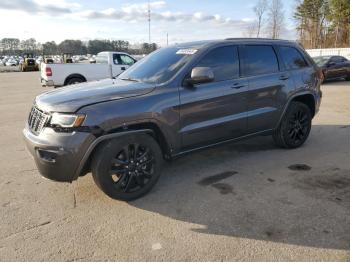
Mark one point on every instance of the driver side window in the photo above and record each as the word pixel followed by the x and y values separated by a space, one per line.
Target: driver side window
pixel 126 60
pixel 120 59
pixel 223 61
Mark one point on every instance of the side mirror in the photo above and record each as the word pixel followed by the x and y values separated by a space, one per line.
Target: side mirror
pixel 330 64
pixel 200 75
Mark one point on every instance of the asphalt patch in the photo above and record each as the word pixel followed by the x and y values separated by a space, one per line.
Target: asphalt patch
pixel 300 167
pixel 223 188
pixel 330 182
pixel 216 178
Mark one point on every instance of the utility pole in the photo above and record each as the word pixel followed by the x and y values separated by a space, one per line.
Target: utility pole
pixel 149 22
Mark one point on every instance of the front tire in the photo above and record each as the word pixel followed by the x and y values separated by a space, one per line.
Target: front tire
pixel 295 126
pixel 128 167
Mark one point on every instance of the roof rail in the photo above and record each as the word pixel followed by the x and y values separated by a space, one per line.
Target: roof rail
pixel 253 38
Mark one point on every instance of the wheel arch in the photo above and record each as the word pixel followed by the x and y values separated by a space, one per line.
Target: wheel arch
pixel 149 128
pixel 74 76
pixel 306 98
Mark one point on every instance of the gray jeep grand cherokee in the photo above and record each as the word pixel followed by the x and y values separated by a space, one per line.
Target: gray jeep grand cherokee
pixel 174 101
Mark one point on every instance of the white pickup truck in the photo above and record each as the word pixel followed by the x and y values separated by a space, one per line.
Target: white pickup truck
pixel 108 65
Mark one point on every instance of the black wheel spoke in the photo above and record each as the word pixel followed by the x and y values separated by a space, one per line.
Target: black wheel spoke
pixel 126 150
pixel 119 183
pixel 144 154
pixel 114 171
pixel 131 168
pixel 131 177
pixel 146 174
pixel 117 161
pixel 303 119
pixel 148 161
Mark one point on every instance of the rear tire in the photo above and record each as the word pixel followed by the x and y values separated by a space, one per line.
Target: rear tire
pixel 127 168
pixel 74 80
pixel 295 126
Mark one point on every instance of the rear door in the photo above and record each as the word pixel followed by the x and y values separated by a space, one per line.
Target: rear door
pixel 301 71
pixel 215 111
pixel 268 86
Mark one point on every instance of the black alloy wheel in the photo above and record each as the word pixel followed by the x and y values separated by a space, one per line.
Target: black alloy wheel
pixel 298 126
pixel 132 168
pixel 127 167
pixel 295 126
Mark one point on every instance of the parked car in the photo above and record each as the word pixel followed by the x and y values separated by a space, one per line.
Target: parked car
pixel 178 99
pixel 108 65
pixel 11 62
pixel 334 67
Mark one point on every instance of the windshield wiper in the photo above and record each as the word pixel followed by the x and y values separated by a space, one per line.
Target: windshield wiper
pixel 129 79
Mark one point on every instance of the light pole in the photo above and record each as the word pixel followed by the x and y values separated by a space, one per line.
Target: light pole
pixel 149 22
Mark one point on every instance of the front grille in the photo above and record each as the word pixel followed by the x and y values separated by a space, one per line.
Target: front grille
pixel 31 62
pixel 37 120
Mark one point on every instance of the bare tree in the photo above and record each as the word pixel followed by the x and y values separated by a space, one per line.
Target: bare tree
pixel 259 9
pixel 276 18
pixel 250 30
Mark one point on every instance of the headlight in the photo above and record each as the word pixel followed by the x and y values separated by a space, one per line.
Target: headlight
pixel 67 120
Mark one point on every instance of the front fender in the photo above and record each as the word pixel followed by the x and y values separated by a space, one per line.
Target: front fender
pixel 101 139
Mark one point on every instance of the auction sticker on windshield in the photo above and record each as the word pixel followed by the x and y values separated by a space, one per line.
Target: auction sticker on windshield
pixel 186 51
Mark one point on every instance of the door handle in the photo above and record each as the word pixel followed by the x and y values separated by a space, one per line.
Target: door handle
pixel 284 77
pixel 238 86
pixel 123 68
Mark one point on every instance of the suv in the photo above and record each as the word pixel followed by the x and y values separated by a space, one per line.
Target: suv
pixel 176 100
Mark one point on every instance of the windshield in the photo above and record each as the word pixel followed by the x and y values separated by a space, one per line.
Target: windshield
pixel 321 60
pixel 158 67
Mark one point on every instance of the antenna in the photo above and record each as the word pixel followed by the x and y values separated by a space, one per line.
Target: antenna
pixel 149 22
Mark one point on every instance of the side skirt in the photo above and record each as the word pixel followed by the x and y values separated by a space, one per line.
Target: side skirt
pixel 185 152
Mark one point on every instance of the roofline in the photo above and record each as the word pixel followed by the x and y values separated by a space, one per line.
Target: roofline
pixel 251 38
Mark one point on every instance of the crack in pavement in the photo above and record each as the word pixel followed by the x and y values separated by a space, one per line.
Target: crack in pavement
pixel 27 229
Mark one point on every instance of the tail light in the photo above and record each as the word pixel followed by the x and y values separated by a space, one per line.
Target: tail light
pixel 48 71
pixel 319 74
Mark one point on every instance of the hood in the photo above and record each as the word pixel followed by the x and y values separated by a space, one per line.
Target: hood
pixel 70 99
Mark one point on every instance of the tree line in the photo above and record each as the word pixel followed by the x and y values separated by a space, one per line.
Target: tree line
pixel 319 23
pixel 323 23
pixel 14 46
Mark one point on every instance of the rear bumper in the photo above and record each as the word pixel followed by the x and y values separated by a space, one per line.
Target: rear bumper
pixel 45 82
pixel 57 155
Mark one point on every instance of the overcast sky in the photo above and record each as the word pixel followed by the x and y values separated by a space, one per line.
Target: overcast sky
pixel 184 20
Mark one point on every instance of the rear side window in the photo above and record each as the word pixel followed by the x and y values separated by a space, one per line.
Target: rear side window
pixel 102 58
pixel 223 61
pixel 338 59
pixel 260 59
pixel 292 58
